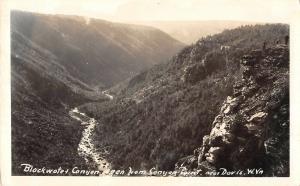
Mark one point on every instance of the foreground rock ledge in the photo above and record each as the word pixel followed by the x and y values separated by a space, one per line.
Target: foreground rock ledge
pixel 251 130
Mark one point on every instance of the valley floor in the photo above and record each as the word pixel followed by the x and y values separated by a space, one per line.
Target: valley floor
pixel 86 149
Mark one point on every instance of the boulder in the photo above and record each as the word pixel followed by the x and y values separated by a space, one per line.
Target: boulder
pixel 214 150
pixel 258 117
pixel 201 156
pixel 227 110
pixel 205 141
pixel 211 159
pixel 217 119
pixel 270 145
pixel 212 155
pixel 229 138
pixel 248 60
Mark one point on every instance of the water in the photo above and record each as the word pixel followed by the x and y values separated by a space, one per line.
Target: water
pixel 108 95
pixel 86 148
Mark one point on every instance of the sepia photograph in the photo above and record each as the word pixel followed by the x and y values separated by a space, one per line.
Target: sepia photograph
pixel 149 88
pixel 94 97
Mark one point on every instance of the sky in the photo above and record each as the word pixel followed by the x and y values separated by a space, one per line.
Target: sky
pixel 166 10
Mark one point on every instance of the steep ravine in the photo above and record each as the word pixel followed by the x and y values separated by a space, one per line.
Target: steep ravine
pixel 92 156
pixel 162 114
pixel 86 149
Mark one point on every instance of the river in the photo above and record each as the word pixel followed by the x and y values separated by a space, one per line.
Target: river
pixel 86 148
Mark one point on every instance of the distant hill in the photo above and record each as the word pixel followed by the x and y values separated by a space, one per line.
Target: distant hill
pixel 97 52
pixel 190 31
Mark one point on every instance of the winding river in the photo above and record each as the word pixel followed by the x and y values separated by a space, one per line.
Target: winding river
pixel 86 148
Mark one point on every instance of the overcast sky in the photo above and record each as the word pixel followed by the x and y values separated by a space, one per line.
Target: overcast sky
pixel 146 10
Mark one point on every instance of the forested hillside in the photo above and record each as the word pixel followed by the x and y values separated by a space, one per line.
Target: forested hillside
pixel 59 62
pixel 97 52
pixel 162 114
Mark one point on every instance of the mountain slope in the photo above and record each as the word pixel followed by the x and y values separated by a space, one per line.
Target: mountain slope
pixel 162 114
pixel 43 134
pixel 97 52
pixel 59 62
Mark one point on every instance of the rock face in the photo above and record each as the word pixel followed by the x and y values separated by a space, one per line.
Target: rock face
pixel 211 62
pixel 252 127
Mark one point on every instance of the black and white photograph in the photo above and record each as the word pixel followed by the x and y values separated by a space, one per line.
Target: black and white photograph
pixel 149 88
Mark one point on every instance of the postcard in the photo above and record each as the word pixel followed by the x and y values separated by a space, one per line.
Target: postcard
pixel 149 92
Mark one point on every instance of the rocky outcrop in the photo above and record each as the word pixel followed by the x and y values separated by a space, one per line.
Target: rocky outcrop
pixel 211 62
pixel 252 127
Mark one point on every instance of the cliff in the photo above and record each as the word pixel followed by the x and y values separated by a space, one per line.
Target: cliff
pixel 251 129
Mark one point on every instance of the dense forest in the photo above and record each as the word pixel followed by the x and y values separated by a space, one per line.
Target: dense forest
pixel 162 114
